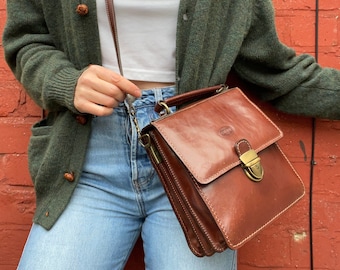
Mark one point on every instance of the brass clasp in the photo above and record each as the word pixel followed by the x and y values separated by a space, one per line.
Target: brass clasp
pixel 251 162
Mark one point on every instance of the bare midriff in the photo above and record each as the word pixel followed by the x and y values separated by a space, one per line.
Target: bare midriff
pixel 149 85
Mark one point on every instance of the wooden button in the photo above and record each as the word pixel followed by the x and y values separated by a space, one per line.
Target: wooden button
pixel 81 119
pixel 69 176
pixel 82 9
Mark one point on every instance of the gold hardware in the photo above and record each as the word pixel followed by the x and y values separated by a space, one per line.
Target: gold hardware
pixel 222 89
pixel 165 107
pixel 145 141
pixel 155 154
pixel 252 166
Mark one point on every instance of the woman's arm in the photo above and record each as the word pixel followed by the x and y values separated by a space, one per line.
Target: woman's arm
pixel 50 48
pixel 46 73
pixel 294 84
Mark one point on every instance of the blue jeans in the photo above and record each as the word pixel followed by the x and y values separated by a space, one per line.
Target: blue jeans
pixel 119 198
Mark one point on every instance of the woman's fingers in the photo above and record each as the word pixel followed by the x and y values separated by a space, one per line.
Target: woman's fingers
pixel 99 90
pixel 87 100
pixel 125 85
pixel 114 79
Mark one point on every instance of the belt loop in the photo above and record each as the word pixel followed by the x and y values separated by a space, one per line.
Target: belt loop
pixel 158 94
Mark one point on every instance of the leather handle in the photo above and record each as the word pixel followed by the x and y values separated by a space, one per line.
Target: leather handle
pixel 189 97
pixel 110 9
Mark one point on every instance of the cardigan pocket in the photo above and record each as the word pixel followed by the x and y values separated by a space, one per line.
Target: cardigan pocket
pixel 37 148
pixel 57 146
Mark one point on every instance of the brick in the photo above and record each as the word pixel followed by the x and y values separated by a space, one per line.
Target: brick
pixel 18 104
pixel 284 23
pixel 328 59
pixel 13 99
pixel 30 109
pixel 3 16
pixel 329 5
pixel 281 243
pixel 15 134
pixel 16 205
pixel 303 29
pixel 12 241
pixel 326 195
pixel 2 4
pixel 328 34
pixel 293 4
pixel 14 170
pixel 9 99
pixel 327 250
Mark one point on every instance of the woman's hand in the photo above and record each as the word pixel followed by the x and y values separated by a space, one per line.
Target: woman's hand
pixel 99 90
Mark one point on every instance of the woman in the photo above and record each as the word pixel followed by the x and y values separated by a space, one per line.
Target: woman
pixel 96 190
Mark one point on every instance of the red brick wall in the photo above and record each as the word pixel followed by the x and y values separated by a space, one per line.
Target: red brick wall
pixel 286 243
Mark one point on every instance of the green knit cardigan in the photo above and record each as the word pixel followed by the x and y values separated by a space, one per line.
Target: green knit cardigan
pixel 48 45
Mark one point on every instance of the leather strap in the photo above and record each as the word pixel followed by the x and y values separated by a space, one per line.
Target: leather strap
pixel 110 9
pixel 189 97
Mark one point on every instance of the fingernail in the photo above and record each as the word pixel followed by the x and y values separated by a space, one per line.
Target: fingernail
pixel 138 92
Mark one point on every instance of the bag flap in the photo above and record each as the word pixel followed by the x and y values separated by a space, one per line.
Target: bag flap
pixel 203 135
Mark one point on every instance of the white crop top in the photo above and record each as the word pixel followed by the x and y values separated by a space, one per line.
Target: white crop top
pixel 147 38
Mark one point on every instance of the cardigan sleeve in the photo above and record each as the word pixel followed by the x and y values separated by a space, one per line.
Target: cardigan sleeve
pixel 294 84
pixel 30 51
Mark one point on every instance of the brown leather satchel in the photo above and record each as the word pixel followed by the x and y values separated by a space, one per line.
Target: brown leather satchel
pixel 221 168
pixel 219 163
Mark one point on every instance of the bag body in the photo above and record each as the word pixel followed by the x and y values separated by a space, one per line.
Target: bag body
pixel 221 167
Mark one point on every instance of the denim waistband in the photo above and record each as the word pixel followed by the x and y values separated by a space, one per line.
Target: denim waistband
pixel 152 96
